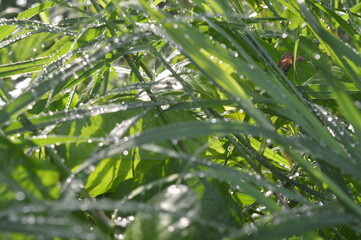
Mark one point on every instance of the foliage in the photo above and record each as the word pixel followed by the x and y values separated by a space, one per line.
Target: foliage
pixel 172 120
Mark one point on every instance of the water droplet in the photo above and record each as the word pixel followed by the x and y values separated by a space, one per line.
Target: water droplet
pixel 91 169
pixel 77 229
pixel 13 218
pixel 201 175
pixel 252 15
pixel 317 56
pixel 183 222
pixel 284 35
pixel 125 153
pixel 119 236
pixel 20 196
pixel 175 26
pixel 358 104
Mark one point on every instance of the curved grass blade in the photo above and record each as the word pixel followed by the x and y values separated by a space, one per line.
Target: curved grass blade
pixel 7 30
pixel 20 104
pixel 295 222
pixel 74 114
pixel 22 67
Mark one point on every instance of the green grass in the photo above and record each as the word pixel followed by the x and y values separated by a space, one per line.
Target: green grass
pixel 153 120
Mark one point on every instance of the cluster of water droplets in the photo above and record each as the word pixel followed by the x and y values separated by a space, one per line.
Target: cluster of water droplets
pixel 123 221
pixel 337 129
pixel 35 25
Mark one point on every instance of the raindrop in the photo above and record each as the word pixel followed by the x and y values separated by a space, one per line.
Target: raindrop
pixel 31 220
pixel 91 169
pixel 20 196
pixel 201 175
pixel 26 209
pixel 83 207
pixel 358 104
pixel 183 222
pixel 175 26
pixel 13 218
pixel 284 35
pixel 252 15
pixel 277 221
pixel 317 56
pixel 69 179
pixel 119 236
pixel 125 153
pixel 77 229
